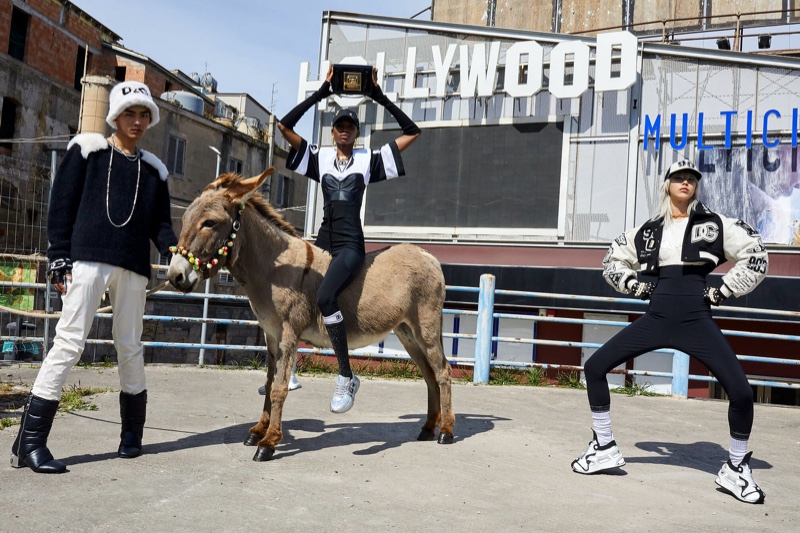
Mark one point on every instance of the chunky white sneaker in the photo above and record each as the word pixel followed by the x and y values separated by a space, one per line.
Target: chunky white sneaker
pixel 293 384
pixel 345 394
pixel 597 458
pixel 738 480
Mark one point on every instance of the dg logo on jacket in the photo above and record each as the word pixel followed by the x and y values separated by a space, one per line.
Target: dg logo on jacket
pixel 707 231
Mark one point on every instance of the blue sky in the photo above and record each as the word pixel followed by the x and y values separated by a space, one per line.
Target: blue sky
pixel 247 45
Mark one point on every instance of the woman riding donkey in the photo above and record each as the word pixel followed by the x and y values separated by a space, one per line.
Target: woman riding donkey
pixel 667 260
pixel 344 172
pixel 109 200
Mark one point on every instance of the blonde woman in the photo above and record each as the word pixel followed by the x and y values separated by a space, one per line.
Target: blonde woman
pixel 667 261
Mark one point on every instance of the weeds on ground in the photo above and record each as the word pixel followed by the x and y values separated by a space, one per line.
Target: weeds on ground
pixel 313 365
pixel 467 378
pixel 254 362
pixel 72 398
pixel 504 376
pixel 570 380
pixel 537 377
pixel 12 398
pixel 636 389
pixel 396 369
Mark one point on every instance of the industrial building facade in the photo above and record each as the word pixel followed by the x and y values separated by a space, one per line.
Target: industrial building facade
pixel 538 149
pixel 534 140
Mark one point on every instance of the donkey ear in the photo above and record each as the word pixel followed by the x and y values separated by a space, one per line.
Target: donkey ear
pixel 241 190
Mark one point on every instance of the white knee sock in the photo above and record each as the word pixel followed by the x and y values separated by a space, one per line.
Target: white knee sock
pixel 737 450
pixel 601 423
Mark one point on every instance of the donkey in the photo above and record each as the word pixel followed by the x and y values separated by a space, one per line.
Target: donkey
pixel 399 288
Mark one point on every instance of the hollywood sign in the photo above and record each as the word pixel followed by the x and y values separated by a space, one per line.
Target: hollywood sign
pixel 478 70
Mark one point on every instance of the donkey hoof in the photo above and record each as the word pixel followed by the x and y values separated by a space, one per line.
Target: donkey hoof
pixel 426 434
pixel 445 438
pixel 264 453
pixel 251 440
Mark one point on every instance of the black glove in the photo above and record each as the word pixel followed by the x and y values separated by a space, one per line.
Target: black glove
pixel 713 296
pixel 642 289
pixel 58 270
pixel 404 121
pixel 293 117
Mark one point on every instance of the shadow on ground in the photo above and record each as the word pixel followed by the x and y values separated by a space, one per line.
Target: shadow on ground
pixel 373 437
pixel 703 456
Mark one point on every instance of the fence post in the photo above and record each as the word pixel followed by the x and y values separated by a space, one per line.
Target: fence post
pixel 483 343
pixel 200 360
pixel 680 375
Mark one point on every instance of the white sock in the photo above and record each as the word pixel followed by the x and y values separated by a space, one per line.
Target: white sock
pixel 737 450
pixel 601 423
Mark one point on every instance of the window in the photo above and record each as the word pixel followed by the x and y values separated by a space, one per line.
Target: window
pixel 18 34
pixel 80 66
pixel 226 278
pixel 284 191
pixel 176 150
pixel 120 73
pixel 235 165
pixel 163 260
pixel 8 120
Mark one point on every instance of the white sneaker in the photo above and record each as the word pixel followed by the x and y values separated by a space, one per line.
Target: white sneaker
pixel 345 394
pixel 293 384
pixel 597 458
pixel 738 480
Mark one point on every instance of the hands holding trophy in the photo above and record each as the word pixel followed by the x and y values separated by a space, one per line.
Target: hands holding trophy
pixel 352 80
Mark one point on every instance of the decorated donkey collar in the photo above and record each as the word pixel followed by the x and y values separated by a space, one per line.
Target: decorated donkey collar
pixel 199 264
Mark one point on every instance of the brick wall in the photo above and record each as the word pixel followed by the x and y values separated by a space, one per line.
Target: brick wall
pixel 5 23
pixel 54 35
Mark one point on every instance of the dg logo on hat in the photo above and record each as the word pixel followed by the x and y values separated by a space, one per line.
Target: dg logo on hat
pixel 129 94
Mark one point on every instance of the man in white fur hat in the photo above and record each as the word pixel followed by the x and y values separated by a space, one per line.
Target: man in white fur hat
pixel 109 200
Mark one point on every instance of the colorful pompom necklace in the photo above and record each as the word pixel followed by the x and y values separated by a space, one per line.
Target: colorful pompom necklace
pixel 199 264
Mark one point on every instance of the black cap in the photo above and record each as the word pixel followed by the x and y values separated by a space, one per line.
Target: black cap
pixel 683 165
pixel 346 113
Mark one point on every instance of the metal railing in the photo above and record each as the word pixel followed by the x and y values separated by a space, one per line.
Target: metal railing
pixel 484 337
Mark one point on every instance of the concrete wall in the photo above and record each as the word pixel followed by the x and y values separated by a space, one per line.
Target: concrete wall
pixel 44 108
pixel 472 12
pixel 586 15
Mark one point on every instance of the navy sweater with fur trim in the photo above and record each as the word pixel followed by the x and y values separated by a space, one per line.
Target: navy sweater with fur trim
pixel 77 224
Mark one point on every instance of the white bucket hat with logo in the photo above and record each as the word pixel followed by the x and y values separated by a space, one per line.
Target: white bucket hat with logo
pixel 128 94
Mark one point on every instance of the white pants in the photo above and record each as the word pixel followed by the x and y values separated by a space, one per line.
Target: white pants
pixel 89 282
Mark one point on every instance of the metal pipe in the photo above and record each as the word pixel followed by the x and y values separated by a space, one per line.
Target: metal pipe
pixel 483 345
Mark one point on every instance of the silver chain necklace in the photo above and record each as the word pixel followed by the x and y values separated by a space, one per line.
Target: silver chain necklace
pixel 342 164
pixel 108 185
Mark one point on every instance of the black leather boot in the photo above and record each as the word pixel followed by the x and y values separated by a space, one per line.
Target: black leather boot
pixel 30 447
pixel 132 410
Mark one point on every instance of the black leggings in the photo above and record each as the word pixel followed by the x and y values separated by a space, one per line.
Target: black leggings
pixel 343 268
pixel 677 318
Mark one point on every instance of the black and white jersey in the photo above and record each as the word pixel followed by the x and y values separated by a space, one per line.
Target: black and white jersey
pixel 343 186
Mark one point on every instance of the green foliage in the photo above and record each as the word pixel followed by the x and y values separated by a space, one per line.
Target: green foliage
pixel 396 369
pixel 570 380
pixel 315 365
pixel 72 398
pixel 254 362
pixel 537 377
pixel 504 376
pixel 636 389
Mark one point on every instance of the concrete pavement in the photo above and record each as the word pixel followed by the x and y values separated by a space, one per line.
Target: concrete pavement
pixel 509 468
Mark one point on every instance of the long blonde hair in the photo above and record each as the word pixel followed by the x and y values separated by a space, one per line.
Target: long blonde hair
pixel 665 207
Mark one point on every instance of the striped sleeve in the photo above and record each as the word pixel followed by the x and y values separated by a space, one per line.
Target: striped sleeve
pixel 743 245
pixel 386 163
pixel 620 263
pixel 305 161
